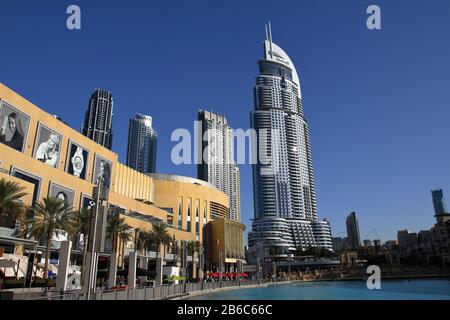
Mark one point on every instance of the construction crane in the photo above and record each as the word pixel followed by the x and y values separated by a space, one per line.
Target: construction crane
pixel 373 230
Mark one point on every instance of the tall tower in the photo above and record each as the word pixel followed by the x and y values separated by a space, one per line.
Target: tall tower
pixel 440 207
pixel 283 178
pixel 353 237
pixel 235 195
pixel 142 142
pixel 97 124
pixel 217 165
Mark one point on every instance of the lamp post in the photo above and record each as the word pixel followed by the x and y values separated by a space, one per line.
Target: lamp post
pixel 100 193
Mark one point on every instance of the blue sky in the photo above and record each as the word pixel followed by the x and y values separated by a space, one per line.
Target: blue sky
pixel 377 102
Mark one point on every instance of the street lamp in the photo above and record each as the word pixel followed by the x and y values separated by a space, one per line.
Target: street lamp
pixel 100 194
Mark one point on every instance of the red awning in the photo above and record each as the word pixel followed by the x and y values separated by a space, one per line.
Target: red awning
pixel 228 274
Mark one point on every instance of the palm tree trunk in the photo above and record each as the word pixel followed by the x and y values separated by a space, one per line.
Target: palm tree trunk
pixel 122 244
pixel 47 255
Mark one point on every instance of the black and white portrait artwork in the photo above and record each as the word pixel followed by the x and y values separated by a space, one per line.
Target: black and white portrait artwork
pixel 65 194
pixel 48 146
pixel 13 126
pixel 102 172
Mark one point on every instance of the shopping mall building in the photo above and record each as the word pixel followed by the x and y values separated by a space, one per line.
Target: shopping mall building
pixel 49 158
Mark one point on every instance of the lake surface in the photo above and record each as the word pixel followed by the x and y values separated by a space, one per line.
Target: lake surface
pixel 423 289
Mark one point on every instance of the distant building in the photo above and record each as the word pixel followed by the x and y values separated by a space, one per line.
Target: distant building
pixel 338 243
pixel 97 124
pixel 142 142
pixel 391 244
pixel 368 243
pixel 441 232
pixel 353 237
pixel 439 204
pixel 426 241
pixel 407 241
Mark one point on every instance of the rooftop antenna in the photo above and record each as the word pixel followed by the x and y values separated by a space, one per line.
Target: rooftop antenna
pixel 270 39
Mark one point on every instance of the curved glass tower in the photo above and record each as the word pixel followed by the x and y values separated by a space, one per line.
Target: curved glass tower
pixel 142 143
pixel 283 178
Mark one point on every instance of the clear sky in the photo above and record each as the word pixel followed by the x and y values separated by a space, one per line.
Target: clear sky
pixel 378 102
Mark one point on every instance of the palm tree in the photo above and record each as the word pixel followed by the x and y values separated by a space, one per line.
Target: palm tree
pixel 116 229
pixel 52 216
pixel 82 223
pixel 10 199
pixel 159 236
pixel 193 247
pixel 140 240
pixel 23 229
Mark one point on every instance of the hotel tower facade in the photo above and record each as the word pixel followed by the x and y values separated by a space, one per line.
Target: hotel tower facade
pixel 284 194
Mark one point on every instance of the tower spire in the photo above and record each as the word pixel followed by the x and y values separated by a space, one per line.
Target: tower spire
pixel 270 34
pixel 269 37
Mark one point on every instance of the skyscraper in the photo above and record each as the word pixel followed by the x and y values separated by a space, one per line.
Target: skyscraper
pixel 217 165
pixel 439 204
pixel 283 178
pixel 353 238
pixel 142 141
pixel 97 124
pixel 235 194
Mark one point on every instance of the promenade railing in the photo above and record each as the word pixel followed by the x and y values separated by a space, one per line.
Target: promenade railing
pixel 168 291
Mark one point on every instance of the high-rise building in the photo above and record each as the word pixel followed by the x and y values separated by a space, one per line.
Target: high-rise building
pixel 217 165
pixel 407 241
pixel 284 194
pixel 235 194
pixel 339 244
pixel 142 142
pixel 354 240
pixel 439 204
pixel 97 124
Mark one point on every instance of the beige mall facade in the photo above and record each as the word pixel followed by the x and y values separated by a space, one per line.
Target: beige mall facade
pixel 77 164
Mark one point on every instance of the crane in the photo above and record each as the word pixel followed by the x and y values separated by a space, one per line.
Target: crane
pixel 373 230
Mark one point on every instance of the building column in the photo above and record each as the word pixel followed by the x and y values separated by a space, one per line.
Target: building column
pixel 112 270
pixel 90 271
pixel 132 260
pixel 63 268
pixel 194 266
pixel 200 269
pixel 239 266
pixel 143 263
pixel 159 271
